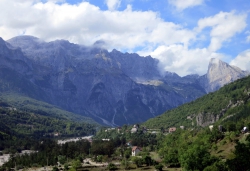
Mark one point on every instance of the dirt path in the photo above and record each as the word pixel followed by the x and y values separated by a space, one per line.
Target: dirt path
pixel 88 160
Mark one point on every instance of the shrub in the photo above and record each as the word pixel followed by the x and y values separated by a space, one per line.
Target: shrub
pixel 159 167
pixel 111 166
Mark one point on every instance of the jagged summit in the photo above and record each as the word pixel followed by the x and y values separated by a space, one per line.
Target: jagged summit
pixel 220 73
pixel 215 61
pixel 115 88
pixel 24 40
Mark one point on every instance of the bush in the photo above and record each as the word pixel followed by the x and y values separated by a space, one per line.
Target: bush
pixel 137 161
pixel 217 166
pixel 159 167
pixel 55 169
pixel 111 166
pixel 66 166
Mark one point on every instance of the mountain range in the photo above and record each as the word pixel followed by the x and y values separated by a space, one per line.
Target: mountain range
pixel 113 88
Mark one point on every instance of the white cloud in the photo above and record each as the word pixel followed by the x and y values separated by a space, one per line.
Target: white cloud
pixel 248 36
pixel 85 23
pixel 127 30
pixel 242 60
pixel 184 61
pixel 183 4
pixel 224 26
pixel 113 4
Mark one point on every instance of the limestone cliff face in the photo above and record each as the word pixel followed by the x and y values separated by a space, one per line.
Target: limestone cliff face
pixel 205 119
pixel 112 87
pixel 220 73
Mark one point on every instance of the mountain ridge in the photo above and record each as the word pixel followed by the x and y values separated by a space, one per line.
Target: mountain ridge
pixel 227 104
pixel 111 87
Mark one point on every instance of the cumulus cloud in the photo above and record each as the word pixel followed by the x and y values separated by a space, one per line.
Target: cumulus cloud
pixel 242 60
pixel 181 5
pixel 248 36
pixel 85 23
pixel 224 25
pixel 113 4
pixel 126 30
pixel 184 61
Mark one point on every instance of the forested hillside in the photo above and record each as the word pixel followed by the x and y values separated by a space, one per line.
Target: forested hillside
pixel 193 148
pixel 28 104
pixel 23 121
pixel 230 103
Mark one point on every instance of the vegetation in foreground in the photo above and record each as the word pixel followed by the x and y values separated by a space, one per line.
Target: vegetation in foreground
pixel 198 149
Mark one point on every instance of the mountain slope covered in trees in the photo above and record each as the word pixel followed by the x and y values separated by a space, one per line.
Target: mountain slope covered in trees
pixel 23 121
pixel 230 103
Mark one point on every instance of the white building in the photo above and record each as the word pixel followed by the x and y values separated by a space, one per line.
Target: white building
pixel 136 150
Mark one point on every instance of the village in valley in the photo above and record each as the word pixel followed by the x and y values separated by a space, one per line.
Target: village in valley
pixel 127 145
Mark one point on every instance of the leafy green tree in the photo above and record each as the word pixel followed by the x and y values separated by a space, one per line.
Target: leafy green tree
pixel 62 159
pixel 66 167
pixel 147 160
pixel 137 161
pixel 76 164
pixel 217 166
pixel 111 166
pixel 159 167
pixel 242 158
pixel 171 157
pixel 72 169
pixel 196 157
pixel 55 169
pixel 99 158
pixel 125 163
pixel 127 153
pixel 231 126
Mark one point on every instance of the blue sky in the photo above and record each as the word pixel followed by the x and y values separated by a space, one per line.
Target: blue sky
pixel 182 34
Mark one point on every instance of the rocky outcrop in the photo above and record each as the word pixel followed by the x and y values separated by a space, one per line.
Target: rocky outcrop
pixel 220 73
pixel 204 119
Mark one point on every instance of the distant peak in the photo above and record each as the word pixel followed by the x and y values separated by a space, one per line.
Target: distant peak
pixel 215 61
pixel 100 44
pixel 2 42
pixel 115 51
pixel 1 39
pixel 24 40
pixel 24 37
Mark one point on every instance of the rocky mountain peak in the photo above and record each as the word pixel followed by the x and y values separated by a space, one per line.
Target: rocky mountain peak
pixel 114 88
pixel 24 41
pixel 220 73
pixel 216 65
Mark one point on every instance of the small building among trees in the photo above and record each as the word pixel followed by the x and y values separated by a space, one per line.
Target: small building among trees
pixel 134 129
pixel 136 150
pixel 171 130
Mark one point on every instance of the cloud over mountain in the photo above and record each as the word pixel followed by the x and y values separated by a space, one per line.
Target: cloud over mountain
pixel 178 46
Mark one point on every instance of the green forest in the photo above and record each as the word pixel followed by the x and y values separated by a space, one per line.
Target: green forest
pixel 22 128
pixel 230 103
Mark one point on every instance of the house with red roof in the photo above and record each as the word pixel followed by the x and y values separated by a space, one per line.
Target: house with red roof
pixel 136 150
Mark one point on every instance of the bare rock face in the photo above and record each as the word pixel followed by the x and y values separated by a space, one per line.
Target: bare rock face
pixel 205 119
pixel 113 88
pixel 220 73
